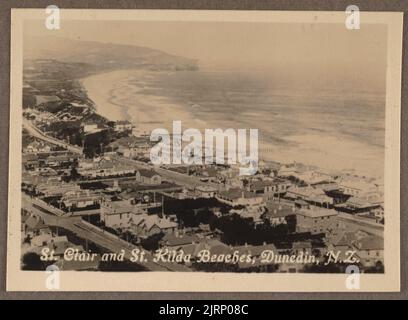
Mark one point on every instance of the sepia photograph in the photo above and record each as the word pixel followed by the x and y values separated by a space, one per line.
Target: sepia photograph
pixel 196 150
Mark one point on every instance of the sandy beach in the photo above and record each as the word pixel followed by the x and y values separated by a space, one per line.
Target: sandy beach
pixel 117 96
pixel 135 96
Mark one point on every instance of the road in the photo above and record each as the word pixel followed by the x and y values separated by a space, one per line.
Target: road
pixel 96 235
pixel 352 223
pixel 34 131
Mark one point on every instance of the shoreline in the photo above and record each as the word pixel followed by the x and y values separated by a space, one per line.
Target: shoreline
pixel 100 97
pixel 112 101
pixel 109 92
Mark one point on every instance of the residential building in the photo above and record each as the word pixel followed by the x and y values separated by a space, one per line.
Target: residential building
pixel 56 189
pixel 367 248
pixel 312 195
pixel 205 191
pixel 357 186
pixel 370 250
pixel 148 177
pixel 90 127
pixel 239 197
pixel 77 200
pixel 123 125
pixel 118 214
pixel 359 204
pixel 145 225
pixel 278 213
pixel 316 220
pixel 105 168
pixel 269 187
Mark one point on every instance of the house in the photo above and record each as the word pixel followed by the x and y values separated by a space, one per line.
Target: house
pixel 203 247
pixel 62 160
pixel 270 187
pixel 175 240
pixel 314 177
pixel 239 197
pixel 145 225
pixel 205 191
pixel 59 245
pixel 379 214
pixel 40 99
pixel 335 193
pixel 358 204
pixel 367 248
pixel 316 220
pixel 90 127
pixel 304 247
pixel 277 213
pixel 370 250
pixel 41 240
pixel 206 173
pixel 131 146
pixel 214 246
pixel 37 147
pixel 118 214
pixel 356 186
pixel 56 188
pixel 34 225
pixel 312 195
pixel 123 125
pixel 292 170
pixel 341 243
pixel 30 161
pixel 251 212
pixel 75 200
pixel 259 255
pixel 146 176
pixel 105 168
pixel 127 152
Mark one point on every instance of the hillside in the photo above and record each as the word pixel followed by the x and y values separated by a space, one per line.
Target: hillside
pixel 103 55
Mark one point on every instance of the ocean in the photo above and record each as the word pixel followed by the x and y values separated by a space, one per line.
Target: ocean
pixel 331 128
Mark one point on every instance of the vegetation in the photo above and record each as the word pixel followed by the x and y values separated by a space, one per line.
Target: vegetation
pixel 193 212
pixel 32 261
pixel 152 243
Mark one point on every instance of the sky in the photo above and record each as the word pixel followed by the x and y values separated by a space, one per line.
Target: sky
pixel 298 50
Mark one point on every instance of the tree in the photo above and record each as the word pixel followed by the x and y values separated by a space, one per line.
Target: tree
pixel 74 175
pixel 291 222
pixel 378 268
pixel 32 261
pixel 152 243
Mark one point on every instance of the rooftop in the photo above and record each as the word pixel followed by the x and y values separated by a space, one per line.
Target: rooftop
pixel 276 209
pixel 121 206
pixel 147 173
pixel 237 193
pixel 317 212
pixel 370 242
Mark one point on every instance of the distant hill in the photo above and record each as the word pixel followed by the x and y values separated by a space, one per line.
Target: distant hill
pixel 103 55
